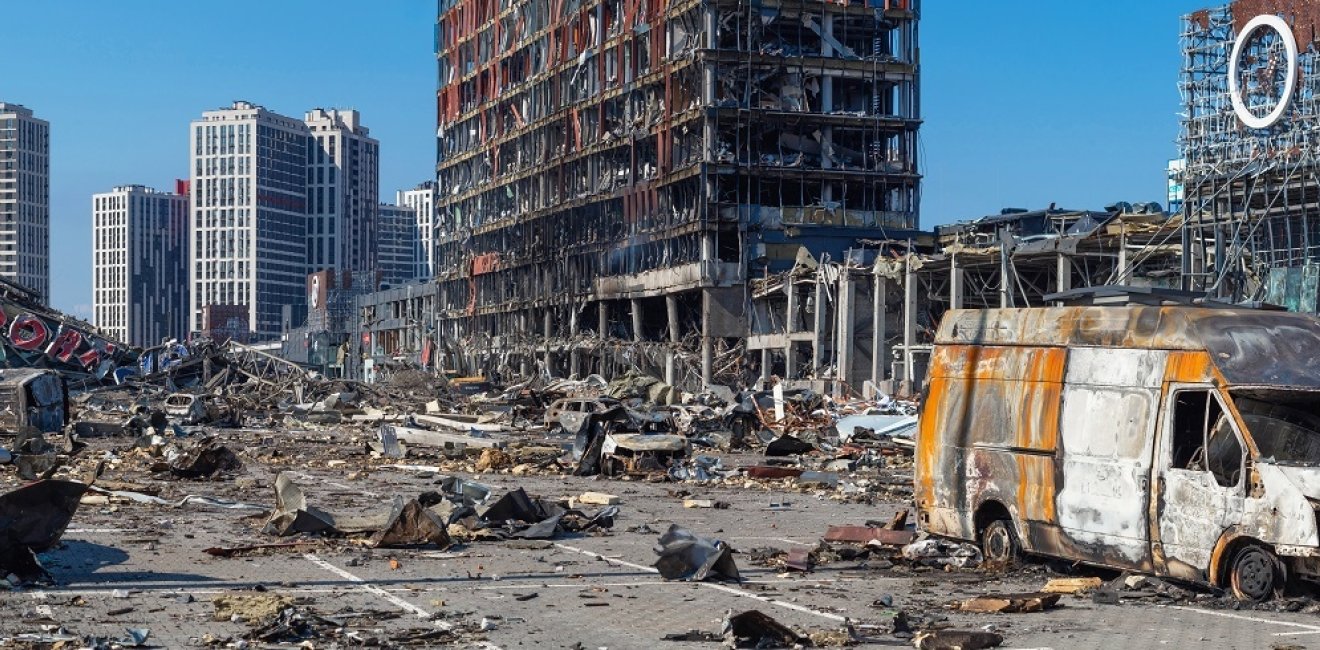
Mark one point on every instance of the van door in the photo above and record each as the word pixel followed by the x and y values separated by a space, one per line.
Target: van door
pixel 1199 484
pixel 1107 428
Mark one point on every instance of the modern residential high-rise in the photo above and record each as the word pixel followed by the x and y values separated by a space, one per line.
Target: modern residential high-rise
pixel 25 199
pixel 628 168
pixel 396 243
pixel 422 200
pixel 343 171
pixel 140 264
pixel 248 253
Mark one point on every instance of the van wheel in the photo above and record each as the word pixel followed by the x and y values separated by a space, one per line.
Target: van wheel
pixel 1254 575
pixel 999 542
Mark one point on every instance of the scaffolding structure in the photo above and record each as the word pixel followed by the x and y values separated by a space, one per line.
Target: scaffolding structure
pixel 1252 196
pixel 611 172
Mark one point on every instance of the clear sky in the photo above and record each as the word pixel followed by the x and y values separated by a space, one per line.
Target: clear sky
pixel 1025 103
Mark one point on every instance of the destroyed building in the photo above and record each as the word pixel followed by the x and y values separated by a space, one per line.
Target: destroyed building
pixel 870 316
pixel 1249 140
pixel 612 175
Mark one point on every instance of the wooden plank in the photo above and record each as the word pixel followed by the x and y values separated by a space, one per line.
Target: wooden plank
pixel 441 439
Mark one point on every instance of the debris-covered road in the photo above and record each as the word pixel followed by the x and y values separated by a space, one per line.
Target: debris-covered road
pixel 126 566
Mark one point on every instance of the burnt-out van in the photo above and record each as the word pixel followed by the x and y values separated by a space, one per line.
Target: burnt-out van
pixel 1174 440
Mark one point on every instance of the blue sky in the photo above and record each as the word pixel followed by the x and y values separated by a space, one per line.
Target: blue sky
pixel 1025 103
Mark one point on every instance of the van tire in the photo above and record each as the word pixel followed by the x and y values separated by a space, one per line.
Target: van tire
pixel 999 542
pixel 1254 575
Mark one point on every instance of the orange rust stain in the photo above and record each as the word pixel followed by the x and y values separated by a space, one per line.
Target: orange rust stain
pixel 1191 366
pixel 928 439
pixel 1036 488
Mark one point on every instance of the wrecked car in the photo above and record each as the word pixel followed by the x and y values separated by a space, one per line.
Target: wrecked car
pixel 188 409
pixel 572 412
pixel 185 408
pixel 622 440
pixel 1178 441
pixel 35 398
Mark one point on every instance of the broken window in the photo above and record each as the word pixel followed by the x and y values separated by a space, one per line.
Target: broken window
pixel 1190 412
pixel 1284 424
pixel 1203 438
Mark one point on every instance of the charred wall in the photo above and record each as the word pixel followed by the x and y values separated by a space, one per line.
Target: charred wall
pixel 610 170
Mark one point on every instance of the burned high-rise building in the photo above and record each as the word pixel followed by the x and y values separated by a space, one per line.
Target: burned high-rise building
pixel 610 174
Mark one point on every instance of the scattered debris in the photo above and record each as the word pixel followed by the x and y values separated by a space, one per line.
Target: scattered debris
pixel 956 640
pixel 32 520
pixel 684 556
pixel 753 629
pixel 1071 585
pixel 1009 603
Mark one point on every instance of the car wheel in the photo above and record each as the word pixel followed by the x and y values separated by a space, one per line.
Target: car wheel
pixel 1254 575
pixel 999 542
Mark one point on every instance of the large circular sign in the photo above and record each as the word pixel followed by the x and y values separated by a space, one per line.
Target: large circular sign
pixel 1255 55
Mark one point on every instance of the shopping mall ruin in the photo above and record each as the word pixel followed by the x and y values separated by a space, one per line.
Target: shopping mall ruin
pixel 625 169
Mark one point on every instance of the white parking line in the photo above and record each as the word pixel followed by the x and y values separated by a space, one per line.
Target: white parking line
pixel 368 587
pixel 726 589
pixel 1306 629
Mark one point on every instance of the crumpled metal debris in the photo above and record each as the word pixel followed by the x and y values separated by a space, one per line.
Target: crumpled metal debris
pixel 942 552
pixel 685 556
pixel 32 520
pixel 755 629
pixel 292 515
pixel 787 445
pixel 203 459
pixel 411 524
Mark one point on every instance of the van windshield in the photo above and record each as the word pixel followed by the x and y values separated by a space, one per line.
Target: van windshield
pixel 1284 424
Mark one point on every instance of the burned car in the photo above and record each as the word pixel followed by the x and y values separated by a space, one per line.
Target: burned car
pixel 32 398
pixel 189 409
pixel 621 440
pixel 1174 440
pixel 571 413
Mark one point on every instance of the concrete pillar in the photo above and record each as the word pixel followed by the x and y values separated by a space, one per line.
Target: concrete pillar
pixel 574 357
pixel 671 309
pixel 1062 275
pixel 547 328
pixel 790 326
pixel 525 334
pixel 1123 255
pixel 707 342
pixel 765 364
pixel 636 305
pixel 878 320
pixel 818 325
pixel 603 330
pixel 843 337
pixel 670 369
pixel 1005 271
pixel 909 323
pixel 956 281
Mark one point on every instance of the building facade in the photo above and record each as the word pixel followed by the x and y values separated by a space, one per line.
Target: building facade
pixel 626 167
pixel 140 264
pixel 25 199
pixel 248 253
pixel 422 201
pixel 1249 147
pixel 343 171
pixel 396 243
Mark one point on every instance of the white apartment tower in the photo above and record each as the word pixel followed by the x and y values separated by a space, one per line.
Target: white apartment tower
pixel 396 243
pixel 140 264
pixel 422 200
pixel 248 257
pixel 25 199
pixel 343 171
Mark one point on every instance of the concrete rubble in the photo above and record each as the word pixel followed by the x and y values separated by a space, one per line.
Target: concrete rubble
pixel 266 492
